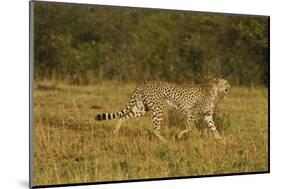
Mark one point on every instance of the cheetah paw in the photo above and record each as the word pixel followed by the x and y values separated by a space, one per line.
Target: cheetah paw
pixel 217 136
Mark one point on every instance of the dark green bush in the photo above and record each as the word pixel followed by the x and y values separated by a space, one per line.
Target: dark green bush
pixel 84 44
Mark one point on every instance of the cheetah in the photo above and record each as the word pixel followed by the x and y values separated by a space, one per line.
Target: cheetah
pixel 190 100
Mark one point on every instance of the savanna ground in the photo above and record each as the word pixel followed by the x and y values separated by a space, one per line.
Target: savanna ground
pixel 71 147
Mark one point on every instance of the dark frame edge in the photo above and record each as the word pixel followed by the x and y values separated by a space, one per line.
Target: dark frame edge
pixel 268 93
pixel 31 80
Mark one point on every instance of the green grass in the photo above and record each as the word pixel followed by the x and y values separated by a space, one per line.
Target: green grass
pixel 71 147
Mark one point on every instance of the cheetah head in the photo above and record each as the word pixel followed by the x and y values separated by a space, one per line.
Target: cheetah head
pixel 222 86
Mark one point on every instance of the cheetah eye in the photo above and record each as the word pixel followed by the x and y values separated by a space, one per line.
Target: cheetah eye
pixel 227 89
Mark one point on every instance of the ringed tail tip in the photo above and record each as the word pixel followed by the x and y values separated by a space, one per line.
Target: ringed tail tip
pixel 98 117
pixel 105 116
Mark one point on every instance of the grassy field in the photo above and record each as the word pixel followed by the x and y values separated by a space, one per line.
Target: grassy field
pixel 71 147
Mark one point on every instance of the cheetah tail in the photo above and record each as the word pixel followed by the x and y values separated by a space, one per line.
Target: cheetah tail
pixel 116 115
pixel 106 116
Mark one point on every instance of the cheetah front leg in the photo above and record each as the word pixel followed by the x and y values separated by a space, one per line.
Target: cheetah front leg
pixel 211 124
pixel 157 117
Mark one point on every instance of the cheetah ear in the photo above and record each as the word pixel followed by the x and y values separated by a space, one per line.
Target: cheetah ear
pixel 214 81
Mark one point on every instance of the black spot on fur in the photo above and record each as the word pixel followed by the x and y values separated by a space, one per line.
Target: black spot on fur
pixel 109 116
pixel 113 116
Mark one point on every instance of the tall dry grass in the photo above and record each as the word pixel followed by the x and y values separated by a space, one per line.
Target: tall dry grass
pixel 71 147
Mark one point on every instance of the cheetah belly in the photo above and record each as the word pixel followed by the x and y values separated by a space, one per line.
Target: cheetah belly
pixel 171 104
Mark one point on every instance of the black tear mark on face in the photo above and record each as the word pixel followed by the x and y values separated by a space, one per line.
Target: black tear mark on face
pixel 227 88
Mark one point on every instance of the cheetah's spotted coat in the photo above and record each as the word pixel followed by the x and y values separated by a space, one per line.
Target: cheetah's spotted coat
pixel 190 100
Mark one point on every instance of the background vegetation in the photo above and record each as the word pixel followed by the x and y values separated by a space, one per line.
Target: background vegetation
pixel 85 44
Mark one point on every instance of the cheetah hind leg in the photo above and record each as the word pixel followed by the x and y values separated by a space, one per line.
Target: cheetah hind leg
pixel 117 127
pixel 189 124
pixel 161 138
pixel 157 117
pixel 135 111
